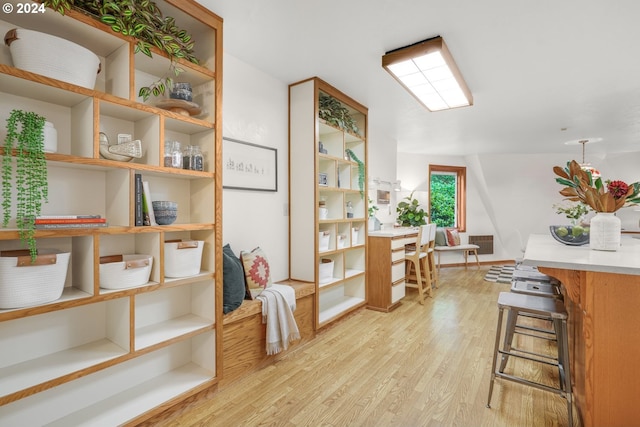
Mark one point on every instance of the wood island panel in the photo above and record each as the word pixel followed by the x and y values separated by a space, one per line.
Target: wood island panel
pixel 604 328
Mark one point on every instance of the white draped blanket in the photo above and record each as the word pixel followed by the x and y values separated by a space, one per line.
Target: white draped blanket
pixel 278 305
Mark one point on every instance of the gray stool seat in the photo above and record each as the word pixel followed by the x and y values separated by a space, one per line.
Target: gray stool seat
pixel 534 275
pixel 545 307
pixel 532 287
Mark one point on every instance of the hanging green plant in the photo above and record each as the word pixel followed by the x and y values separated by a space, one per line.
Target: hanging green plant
pixel 25 138
pixel 143 20
pixel 361 170
pixel 410 214
pixel 332 110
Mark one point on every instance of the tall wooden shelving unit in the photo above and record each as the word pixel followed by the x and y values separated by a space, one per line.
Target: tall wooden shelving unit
pixel 112 357
pixel 345 290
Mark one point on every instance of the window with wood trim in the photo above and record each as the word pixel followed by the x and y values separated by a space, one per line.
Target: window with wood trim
pixel 448 196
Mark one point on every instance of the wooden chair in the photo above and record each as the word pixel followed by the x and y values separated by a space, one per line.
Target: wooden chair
pixel 432 257
pixel 416 258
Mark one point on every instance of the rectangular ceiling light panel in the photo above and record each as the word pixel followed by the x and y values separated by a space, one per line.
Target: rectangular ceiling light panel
pixel 427 70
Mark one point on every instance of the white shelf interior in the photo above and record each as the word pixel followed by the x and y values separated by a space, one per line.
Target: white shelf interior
pixel 61 342
pixel 120 393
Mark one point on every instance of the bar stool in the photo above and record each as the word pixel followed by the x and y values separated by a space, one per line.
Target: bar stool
pixel 535 288
pixel 553 308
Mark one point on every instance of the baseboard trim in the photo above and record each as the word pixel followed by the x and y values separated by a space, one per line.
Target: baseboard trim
pixel 496 262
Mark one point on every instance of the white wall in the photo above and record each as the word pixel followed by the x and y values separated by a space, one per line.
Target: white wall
pixel 382 167
pixel 508 195
pixel 255 108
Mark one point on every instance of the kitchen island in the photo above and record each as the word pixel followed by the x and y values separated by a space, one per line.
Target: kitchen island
pixel 602 296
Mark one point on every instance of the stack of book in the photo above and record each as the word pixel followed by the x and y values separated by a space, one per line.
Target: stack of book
pixel 69 221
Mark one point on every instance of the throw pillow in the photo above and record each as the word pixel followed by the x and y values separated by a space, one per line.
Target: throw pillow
pixel 234 287
pixel 441 237
pixel 256 271
pixel 453 237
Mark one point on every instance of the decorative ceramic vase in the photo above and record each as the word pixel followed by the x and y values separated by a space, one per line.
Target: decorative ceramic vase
pixel 605 232
pixel 50 138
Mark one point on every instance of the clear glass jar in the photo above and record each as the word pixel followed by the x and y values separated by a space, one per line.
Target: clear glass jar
pixel 197 159
pixel 186 157
pixel 176 155
pixel 168 147
pixel 349 209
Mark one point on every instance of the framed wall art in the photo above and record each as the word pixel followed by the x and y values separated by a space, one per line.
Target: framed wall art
pixel 248 166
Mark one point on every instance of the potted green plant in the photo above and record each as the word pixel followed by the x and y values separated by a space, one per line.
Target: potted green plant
pixel 410 214
pixel 361 170
pixel 373 221
pixel 25 138
pixel 143 20
pixel 332 110
pixel 574 212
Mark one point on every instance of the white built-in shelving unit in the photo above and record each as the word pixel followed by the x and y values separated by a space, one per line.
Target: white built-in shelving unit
pixel 332 178
pixel 112 357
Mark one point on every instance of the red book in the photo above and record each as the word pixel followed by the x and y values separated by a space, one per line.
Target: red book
pixel 69 220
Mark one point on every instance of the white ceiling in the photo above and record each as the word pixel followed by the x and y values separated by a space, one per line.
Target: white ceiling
pixel 534 68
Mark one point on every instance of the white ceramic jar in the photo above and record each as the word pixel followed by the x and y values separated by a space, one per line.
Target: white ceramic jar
pixel 604 234
pixel 50 138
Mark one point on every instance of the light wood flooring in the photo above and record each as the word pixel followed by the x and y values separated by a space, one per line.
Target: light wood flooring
pixel 420 365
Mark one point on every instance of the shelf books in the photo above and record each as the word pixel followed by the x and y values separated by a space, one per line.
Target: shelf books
pixel 69 221
pixel 147 207
pixel 138 215
pixel 143 213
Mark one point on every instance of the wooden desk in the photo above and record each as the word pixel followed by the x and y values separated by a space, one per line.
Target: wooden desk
pixel 603 300
pixel 386 267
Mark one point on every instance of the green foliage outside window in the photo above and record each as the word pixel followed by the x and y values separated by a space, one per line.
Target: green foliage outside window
pixel 443 200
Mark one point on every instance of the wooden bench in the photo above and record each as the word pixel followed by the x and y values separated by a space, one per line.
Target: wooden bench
pixel 244 334
pixel 465 249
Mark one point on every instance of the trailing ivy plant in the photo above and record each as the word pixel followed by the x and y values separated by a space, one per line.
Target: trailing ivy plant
pixel 25 138
pixel 410 214
pixel 143 20
pixel 361 170
pixel 332 110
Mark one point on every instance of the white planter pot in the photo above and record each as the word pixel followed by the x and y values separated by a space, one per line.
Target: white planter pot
pixel 604 234
pixel 50 138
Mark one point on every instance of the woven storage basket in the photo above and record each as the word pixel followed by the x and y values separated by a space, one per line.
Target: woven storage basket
pixel 52 57
pixel 125 271
pixel 182 258
pixel 24 284
pixel 325 272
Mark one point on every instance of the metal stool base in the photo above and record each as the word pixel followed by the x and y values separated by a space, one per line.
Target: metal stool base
pixel 545 307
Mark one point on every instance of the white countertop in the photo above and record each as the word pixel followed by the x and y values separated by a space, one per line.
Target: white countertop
pixel 394 232
pixel 544 251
